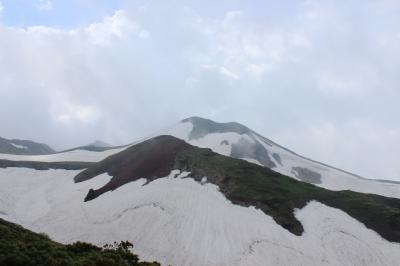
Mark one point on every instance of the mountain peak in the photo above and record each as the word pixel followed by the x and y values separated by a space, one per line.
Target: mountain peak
pixel 203 126
pixel 99 144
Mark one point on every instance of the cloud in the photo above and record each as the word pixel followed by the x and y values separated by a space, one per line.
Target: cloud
pixel 44 5
pixel 118 25
pixel 318 74
pixel 1 8
pixel 61 79
pixel 63 111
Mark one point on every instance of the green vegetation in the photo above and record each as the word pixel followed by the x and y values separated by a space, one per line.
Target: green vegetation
pixel 278 195
pixel 242 183
pixel 19 246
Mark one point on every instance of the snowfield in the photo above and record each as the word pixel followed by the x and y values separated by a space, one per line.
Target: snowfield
pixel 331 178
pixel 75 155
pixel 178 221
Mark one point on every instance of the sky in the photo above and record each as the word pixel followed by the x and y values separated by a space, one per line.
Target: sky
pixel 319 77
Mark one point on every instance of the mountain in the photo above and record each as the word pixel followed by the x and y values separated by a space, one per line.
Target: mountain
pixel 23 147
pixel 238 141
pixel 100 144
pixel 205 193
pixel 241 182
pixel 96 146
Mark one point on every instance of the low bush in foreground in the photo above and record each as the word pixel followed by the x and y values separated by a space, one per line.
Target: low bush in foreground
pixel 19 246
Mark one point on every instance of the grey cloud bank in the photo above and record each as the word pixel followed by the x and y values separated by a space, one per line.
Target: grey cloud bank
pixel 318 77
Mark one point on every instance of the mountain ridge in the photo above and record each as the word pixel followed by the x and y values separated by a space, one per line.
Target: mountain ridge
pixel 23 147
pixel 242 183
pixel 244 129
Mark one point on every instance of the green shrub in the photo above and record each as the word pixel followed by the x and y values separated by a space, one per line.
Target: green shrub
pixel 21 247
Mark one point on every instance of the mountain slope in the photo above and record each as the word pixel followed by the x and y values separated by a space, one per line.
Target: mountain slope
pixel 23 147
pixel 238 141
pixel 180 221
pixel 242 183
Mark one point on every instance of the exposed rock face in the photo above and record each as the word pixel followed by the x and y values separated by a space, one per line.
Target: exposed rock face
pixel 23 147
pixel 245 149
pixel 202 127
pixel 277 158
pixel 307 175
pixel 242 149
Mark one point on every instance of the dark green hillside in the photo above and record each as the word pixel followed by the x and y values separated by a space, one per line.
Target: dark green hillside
pixel 22 247
pixel 278 195
pixel 243 183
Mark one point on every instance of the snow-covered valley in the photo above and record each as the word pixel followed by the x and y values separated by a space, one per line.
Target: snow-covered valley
pixel 179 221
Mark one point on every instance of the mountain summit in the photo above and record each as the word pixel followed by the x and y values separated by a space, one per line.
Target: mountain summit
pixel 100 144
pixel 238 141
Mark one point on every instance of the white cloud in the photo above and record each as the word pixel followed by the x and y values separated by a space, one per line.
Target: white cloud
pixel 322 74
pixel 118 25
pixel 66 112
pixel 227 73
pixel 44 5
pixel 1 8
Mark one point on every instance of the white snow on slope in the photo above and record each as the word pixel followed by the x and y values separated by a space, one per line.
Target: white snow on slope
pixel 75 155
pixel 332 178
pixel 19 146
pixel 181 222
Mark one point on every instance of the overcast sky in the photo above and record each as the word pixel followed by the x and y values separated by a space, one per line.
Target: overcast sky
pixel 319 77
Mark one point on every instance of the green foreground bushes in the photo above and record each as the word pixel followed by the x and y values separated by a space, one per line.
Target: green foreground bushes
pixel 21 247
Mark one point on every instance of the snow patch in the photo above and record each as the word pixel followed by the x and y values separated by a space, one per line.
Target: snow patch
pixel 251 160
pixel 19 146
